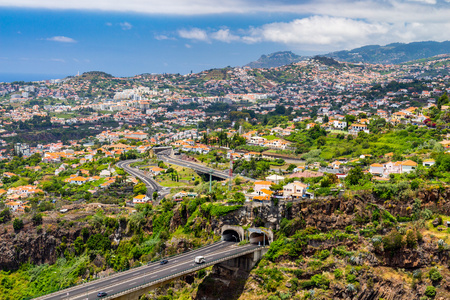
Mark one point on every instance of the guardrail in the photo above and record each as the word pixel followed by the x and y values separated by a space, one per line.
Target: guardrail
pixel 112 276
pixel 181 273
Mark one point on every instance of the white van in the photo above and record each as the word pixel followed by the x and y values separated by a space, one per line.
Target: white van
pixel 199 259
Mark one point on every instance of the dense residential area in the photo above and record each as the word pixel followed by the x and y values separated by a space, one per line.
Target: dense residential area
pixel 347 163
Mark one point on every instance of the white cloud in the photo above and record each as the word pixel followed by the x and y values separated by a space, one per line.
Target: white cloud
pixel 61 39
pixel 188 46
pixel 108 24
pixel 162 37
pixel 325 33
pixel 424 1
pixel 380 10
pixel 194 34
pixel 125 26
pixel 224 35
pixel 316 30
pixel 57 60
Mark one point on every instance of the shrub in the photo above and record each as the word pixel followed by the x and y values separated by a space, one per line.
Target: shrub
pixel 351 278
pixel 393 241
pixel 430 291
pixel 98 242
pixel 17 224
pixel 411 239
pixel 320 281
pixel 434 275
pixel 337 274
pixel 201 273
pixel 324 254
pixel 37 219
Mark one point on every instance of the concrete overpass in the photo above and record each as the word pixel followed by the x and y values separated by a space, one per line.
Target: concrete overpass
pixel 194 166
pixel 131 284
pixel 169 158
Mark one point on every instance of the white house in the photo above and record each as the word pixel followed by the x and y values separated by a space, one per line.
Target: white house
pixel 376 169
pixel 428 162
pixel 355 128
pixel 339 124
pixel 295 187
pixel 275 178
pixel 141 199
pixel 259 185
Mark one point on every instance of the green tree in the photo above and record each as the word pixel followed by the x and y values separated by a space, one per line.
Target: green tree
pixel 17 224
pixel 140 189
pixel 37 219
pixel 155 195
pixel 435 275
pixel 430 291
pixel 355 176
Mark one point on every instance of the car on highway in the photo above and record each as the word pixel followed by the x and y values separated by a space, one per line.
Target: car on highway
pixel 101 294
pixel 199 260
pixel 163 262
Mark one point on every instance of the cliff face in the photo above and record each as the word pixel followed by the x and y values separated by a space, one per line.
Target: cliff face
pixel 44 243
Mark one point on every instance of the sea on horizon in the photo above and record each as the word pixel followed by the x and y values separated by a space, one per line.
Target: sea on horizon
pixel 11 77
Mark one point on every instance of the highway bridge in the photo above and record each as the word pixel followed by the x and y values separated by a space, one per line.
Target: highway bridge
pixel 198 167
pixel 135 282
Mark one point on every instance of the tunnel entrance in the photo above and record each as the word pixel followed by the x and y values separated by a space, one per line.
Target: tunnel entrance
pixel 231 235
pixel 259 238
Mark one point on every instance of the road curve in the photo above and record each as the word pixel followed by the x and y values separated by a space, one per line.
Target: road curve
pixel 152 186
pixel 152 272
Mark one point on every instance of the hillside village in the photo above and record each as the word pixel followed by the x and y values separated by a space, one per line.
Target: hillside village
pixel 314 146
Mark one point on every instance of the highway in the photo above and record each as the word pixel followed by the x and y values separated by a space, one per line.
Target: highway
pixel 197 167
pixel 152 186
pixel 149 273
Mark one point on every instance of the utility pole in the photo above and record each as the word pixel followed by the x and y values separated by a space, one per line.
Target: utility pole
pixel 231 171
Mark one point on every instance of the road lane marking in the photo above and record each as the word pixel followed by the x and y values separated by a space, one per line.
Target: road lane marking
pixel 186 263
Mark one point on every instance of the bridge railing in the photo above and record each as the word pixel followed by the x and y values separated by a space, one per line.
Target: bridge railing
pixel 186 271
pixel 115 274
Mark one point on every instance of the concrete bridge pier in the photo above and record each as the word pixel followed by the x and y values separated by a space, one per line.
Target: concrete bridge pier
pixel 246 262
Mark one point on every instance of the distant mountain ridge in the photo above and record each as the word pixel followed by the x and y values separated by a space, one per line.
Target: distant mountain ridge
pixel 276 59
pixel 395 53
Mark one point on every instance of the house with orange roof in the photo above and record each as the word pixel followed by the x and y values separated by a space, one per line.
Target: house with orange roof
pixel 251 154
pixel 8 174
pixel 295 187
pixel 376 169
pixel 397 167
pixel 141 199
pixel 13 205
pixel 249 134
pixel 356 128
pixel 78 180
pixel 259 185
pixel 156 170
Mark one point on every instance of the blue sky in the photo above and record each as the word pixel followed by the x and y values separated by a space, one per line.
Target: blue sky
pixel 124 38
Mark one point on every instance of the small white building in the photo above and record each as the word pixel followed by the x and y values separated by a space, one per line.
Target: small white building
pixel 275 178
pixel 295 187
pixel 141 199
pixel 428 162
pixel 259 185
